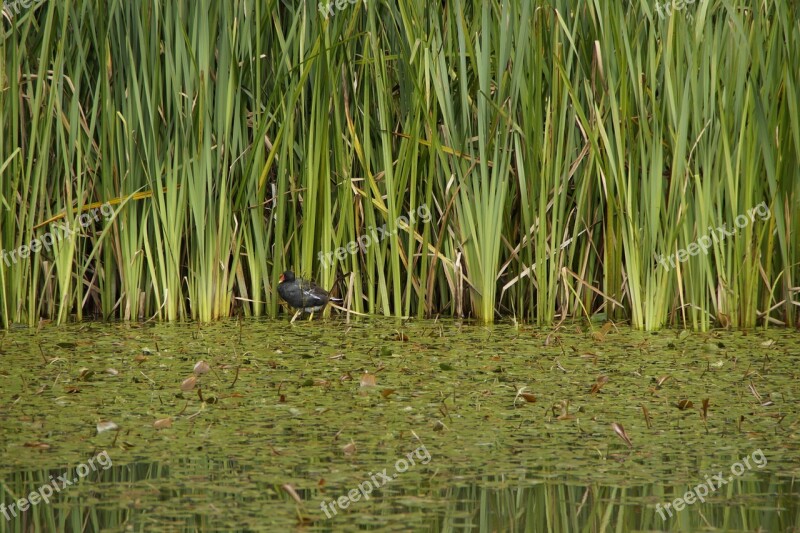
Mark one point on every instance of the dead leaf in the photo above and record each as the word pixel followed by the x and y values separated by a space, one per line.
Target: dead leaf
pixel 600 335
pixel 387 392
pixel 188 383
pixel 684 404
pixel 201 367
pixel 661 380
pixel 163 423
pixel 293 493
pixel 754 392
pixel 620 431
pixel 350 448
pixel 530 398
pixel 106 425
pixel 38 445
pixel 705 408
pixel 368 380
pixel 562 407
pixel 599 384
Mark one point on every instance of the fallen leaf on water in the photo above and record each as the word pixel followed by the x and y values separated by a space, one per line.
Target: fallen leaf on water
pixel 661 380
pixel 705 408
pixel 601 335
pixel 188 383
pixel 599 384
pixel 368 380
pixel 163 423
pixel 112 371
pixel 387 392
pixel 753 391
pixel 106 425
pixel 527 396
pixel 560 410
pixel 684 404
pixel 620 431
pixel 349 448
pixel 293 493
pixel 38 445
pixel 201 367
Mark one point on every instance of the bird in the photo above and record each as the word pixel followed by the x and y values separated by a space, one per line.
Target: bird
pixel 302 295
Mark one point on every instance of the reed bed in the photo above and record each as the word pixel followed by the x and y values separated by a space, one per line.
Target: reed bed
pixel 564 155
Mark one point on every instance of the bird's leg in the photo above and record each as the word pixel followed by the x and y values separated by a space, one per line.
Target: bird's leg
pixel 295 316
pixel 311 316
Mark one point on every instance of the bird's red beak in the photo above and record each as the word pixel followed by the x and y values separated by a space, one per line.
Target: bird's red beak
pixel 280 279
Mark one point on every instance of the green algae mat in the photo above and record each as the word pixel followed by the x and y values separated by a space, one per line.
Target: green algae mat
pixel 386 425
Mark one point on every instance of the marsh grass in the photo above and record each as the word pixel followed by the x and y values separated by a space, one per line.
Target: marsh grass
pixel 561 151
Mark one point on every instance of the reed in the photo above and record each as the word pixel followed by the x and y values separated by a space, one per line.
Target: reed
pixel 564 154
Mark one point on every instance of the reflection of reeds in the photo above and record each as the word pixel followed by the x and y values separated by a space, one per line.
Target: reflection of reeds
pixel 147 496
pixel 561 151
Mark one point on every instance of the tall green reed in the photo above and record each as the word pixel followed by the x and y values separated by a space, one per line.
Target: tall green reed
pixel 562 151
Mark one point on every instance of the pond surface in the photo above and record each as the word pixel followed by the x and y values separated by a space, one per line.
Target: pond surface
pixel 397 426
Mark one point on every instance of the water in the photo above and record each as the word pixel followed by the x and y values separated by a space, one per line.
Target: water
pixel 386 425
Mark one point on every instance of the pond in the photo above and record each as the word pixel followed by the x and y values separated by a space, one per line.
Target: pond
pixel 394 425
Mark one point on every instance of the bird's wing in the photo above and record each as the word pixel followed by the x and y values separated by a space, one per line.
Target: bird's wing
pixel 308 288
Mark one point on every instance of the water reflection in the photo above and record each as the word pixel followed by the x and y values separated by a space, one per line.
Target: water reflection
pixel 203 495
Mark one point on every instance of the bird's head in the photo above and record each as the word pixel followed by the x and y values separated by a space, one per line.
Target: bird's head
pixel 286 276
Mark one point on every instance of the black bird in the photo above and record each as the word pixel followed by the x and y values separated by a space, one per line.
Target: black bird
pixel 302 295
